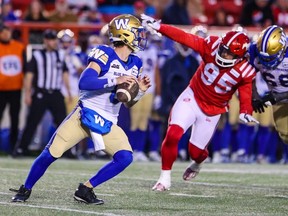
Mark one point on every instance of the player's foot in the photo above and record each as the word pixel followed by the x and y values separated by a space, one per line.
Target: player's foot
pixel 192 171
pixel 22 194
pixel 160 187
pixel 86 195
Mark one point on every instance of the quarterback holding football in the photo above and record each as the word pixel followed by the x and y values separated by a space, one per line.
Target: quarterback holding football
pixel 96 115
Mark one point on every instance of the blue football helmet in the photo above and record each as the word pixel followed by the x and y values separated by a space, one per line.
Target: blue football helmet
pixel 271 46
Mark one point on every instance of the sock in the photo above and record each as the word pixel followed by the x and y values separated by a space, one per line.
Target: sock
pixel 273 144
pixel 233 141
pixel 39 166
pixel 154 135
pixel 137 140
pixel 263 140
pixel 169 150
pixel 184 141
pixel 216 141
pixel 225 137
pixel 121 160
pixel 245 137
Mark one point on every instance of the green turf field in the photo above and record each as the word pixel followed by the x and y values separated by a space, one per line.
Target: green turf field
pixel 220 189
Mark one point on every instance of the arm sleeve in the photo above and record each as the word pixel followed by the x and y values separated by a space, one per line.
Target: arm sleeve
pixel 31 66
pixel 193 41
pixel 89 80
pixel 245 96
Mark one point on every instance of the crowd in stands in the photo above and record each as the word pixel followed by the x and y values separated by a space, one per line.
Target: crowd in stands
pixel 246 13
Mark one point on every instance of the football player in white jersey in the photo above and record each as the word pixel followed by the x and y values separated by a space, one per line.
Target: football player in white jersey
pixel 224 70
pixel 97 113
pixel 270 56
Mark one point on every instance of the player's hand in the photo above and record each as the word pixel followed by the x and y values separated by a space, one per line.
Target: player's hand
pixel 144 83
pixel 258 105
pixel 127 79
pixel 151 24
pixel 246 118
pixel 269 99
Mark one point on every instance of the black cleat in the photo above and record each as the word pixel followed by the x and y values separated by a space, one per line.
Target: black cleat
pixel 21 195
pixel 86 195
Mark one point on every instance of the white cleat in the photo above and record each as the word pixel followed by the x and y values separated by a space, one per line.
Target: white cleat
pixel 160 187
pixel 192 171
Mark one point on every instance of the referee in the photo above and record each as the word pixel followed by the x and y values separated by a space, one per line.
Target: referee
pixel 46 72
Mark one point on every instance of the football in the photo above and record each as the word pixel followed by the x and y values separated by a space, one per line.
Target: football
pixel 126 92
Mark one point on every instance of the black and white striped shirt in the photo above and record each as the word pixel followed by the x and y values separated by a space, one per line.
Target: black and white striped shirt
pixel 48 68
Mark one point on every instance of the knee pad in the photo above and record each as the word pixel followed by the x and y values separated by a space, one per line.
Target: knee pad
pixel 197 154
pixel 124 158
pixel 174 134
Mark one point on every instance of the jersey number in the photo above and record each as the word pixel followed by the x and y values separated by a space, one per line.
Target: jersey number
pixel 270 79
pixel 210 74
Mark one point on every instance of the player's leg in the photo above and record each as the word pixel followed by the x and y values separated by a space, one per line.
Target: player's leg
pixel 14 111
pixel 281 121
pixel 140 114
pixel 116 145
pixel 202 132
pixel 181 118
pixel 264 136
pixel 67 135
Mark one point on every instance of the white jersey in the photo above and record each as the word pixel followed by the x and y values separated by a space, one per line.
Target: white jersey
pixel 73 63
pixel 149 58
pixel 103 100
pixel 277 78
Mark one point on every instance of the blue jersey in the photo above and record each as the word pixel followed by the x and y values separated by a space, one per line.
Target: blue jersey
pixel 111 66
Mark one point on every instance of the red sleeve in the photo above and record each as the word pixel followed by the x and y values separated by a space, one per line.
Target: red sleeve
pixel 245 96
pixel 190 40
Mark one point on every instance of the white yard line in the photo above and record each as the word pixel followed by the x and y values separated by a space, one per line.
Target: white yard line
pixel 58 208
pixel 191 195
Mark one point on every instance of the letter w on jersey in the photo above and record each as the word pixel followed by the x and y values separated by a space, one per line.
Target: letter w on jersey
pixel 94 121
pixel 121 23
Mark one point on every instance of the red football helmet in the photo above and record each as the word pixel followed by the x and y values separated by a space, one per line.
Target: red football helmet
pixel 232 48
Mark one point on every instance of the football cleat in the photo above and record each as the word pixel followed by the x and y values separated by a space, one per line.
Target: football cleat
pixel 86 195
pixel 160 187
pixel 22 194
pixel 192 171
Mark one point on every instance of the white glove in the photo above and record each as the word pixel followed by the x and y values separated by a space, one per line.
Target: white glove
pixel 157 102
pixel 151 24
pixel 246 118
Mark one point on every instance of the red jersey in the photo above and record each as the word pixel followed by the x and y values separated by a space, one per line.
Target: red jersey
pixel 213 86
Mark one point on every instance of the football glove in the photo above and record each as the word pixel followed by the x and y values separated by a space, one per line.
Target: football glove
pixel 150 24
pixel 269 99
pixel 246 118
pixel 258 105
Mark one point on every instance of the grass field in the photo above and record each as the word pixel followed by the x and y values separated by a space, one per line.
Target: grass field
pixel 220 189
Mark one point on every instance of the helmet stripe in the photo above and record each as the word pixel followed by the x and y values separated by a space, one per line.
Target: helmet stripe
pixel 231 40
pixel 266 37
